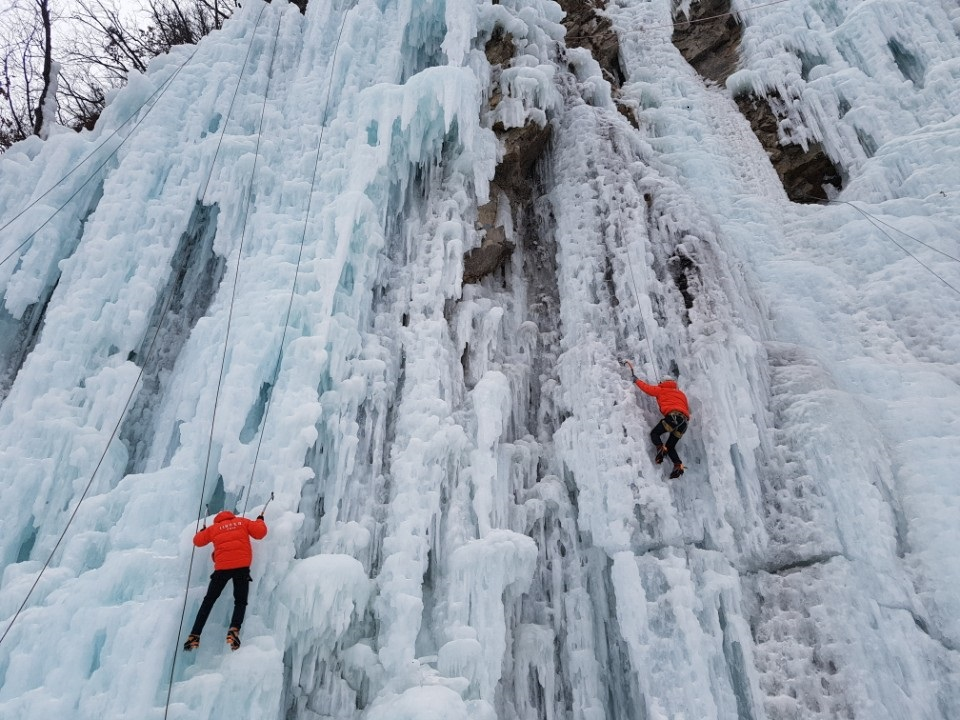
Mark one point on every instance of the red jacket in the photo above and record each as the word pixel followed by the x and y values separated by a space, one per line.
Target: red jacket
pixel 669 398
pixel 230 536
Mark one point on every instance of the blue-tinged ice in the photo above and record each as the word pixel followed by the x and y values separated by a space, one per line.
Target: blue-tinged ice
pixel 256 285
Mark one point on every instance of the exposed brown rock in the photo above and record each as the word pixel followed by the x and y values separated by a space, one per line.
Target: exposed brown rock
pixel 629 111
pixel 710 41
pixel 500 48
pixel 682 268
pixel 523 147
pixel 494 249
pixel 514 175
pixel 513 178
pixel 487 214
pixel 711 46
pixel 586 28
pixel 486 259
pixel 804 173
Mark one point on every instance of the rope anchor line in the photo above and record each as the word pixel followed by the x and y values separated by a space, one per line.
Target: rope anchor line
pixel 183 612
pixel 876 222
pixel 226 339
pixel 158 93
pixel 149 353
pixel 633 282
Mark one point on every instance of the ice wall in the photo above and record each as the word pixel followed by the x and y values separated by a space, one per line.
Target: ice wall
pixel 256 286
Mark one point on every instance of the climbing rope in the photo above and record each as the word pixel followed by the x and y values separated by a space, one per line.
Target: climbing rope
pixel 236 276
pixel 876 222
pixel 873 221
pixel 126 405
pixel 690 22
pixel 226 343
pixel 903 232
pixel 296 271
pixel 158 93
pixel 636 295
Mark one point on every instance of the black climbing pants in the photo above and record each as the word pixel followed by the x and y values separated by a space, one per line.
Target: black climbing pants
pixel 675 424
pixel 218 581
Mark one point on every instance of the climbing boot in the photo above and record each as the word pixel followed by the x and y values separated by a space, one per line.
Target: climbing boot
pixel 233 638
pixel 192 643
pixel 661 451
pixel 678 469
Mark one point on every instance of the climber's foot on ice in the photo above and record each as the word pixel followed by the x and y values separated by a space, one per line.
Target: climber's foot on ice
pixel 661 451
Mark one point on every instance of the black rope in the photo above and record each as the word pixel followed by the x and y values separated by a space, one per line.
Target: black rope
pixel 636 295
pixel 918 260
pixel 875 220
pixel 296 272
pixel 116 428
pixel 226 342
pixel 83 495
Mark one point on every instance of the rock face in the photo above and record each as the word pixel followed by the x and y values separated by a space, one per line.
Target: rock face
pixel 513 179
pixel 523 147
pixel 515 176
pixel 494 249
pixel 711 46
pixel 588 29
pixel 804 173
pixel 500 48
pixel 709 39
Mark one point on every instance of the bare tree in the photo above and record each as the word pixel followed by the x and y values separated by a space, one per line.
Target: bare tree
pixel 175 22
pixel 98 49
pixel 46 79
pixel 106 41
pixel 26 57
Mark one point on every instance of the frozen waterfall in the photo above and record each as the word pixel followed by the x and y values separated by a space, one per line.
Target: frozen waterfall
pixel 383 259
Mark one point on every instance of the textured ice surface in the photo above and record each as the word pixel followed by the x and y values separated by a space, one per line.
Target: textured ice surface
pixel 467 519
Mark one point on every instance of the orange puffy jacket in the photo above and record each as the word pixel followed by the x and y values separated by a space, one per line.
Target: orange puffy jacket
pixel 669 398
pixel 230 536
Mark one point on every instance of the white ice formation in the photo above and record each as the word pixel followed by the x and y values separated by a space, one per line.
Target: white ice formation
pixel 467 521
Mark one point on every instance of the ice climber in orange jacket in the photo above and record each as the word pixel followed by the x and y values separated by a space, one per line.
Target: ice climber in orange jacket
pixel 232 556
pixel 676 416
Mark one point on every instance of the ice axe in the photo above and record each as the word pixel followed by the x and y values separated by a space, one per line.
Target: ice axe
pixel 264 508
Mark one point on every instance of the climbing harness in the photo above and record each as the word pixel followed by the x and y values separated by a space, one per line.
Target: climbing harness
pixel 676 423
